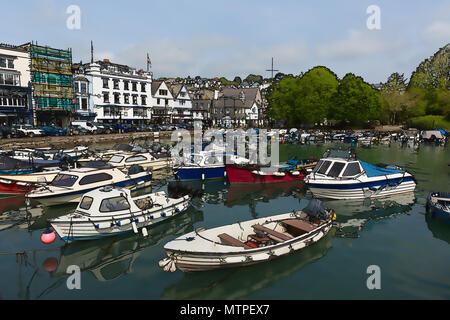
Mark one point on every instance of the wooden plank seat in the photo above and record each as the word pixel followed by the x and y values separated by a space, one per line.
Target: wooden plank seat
pixel 298 226
pixel 226 238
pixel 278 236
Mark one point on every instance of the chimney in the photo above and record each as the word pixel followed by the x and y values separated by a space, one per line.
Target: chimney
pixel 106 60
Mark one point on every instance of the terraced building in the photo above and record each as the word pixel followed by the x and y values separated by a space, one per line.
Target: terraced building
pixel 51 78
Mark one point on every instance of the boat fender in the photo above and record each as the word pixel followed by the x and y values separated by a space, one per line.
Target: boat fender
pixel 167 267
pixel 144 232
pixel 135 230
pixel 152 217
pixel 203 176
pixel 163 262
pixel 177 210
pixel 164 214
pixel 118 223
pixel 173 267
pixel 97 226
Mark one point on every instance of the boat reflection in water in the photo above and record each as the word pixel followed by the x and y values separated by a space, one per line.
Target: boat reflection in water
pixel 239 194
pixel 353 214
pixel 222 192
pixel 109 258
pixel 439 228
pixel 238 283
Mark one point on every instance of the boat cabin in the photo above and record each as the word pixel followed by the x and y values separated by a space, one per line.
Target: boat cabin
pixel 107 201
pixel 128 159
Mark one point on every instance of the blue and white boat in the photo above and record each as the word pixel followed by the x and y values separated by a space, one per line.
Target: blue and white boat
pixel 69 186
pixel 111 211
pixel 201 166
pixel 439 205
pixel 339 175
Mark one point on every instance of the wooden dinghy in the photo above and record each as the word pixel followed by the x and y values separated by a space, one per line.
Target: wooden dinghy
pixel 249 242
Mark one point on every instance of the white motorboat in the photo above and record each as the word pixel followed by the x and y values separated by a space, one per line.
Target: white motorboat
pixel 248 242
pixel 146 160
pixel 69 186
pixel 339 175
pixel 109 211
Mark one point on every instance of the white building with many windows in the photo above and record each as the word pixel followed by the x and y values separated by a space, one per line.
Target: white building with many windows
pixel 162 106
pixel 15 85
pixel 118 93
pixel 182 104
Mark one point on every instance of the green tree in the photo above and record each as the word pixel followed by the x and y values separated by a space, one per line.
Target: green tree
pixel 252 78
pixel 355 101
pixel 394 96
pixel 237 80
pixel 434 72
pixel 305 99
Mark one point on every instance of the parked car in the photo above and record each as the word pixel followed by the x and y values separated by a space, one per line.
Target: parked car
pixel 78 130
pixel 17 133
pixel 6 131
pixel 53 131
pixel 29 130
pixel 101 128
pixel 87 125
pixel 109 128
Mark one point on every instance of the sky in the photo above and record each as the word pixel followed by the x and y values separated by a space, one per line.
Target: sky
pixel 238 37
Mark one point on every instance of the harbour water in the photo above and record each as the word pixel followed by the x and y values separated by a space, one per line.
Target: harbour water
pixel 411 249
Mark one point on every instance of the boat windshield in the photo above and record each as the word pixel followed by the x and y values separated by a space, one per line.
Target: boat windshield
pixel 64 180
pixel 114 204
pixel 86 203
pixel 116 159
pixel 324 167
pixel 336 169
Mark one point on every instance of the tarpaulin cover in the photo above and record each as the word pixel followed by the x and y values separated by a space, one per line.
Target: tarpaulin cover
pixel 374 171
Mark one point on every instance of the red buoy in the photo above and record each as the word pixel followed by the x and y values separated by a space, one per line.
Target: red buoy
pixel 48 237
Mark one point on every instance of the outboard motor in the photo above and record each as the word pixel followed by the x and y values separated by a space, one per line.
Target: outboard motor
pixel 316 210
pixel 65 160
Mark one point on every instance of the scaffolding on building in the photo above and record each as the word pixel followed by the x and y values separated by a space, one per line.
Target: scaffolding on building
pixel 51 77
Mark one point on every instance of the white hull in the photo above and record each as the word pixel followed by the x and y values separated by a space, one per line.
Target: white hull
pixel 361 193
pixel 201 255
pixel 32 177
pixel 101 226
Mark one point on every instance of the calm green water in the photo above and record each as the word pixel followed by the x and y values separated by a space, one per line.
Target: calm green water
pixel 411 248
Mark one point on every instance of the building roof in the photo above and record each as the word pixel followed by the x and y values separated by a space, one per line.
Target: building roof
pixel 155 86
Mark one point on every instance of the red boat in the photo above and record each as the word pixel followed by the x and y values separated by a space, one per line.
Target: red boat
pixel 250 174
pixel 14 187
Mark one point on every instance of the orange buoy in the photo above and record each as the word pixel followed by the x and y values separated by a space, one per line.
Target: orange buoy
pixel 48 236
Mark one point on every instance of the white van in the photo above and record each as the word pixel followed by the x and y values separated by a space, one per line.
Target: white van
pixel 85 125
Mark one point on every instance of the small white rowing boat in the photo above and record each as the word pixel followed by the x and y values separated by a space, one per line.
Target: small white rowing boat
pixel 249 242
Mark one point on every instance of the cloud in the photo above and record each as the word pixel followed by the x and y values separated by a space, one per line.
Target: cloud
pixel 437 31
pixel 358 44
pixel 210 55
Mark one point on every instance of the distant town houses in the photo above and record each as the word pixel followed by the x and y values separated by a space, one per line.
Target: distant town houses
pixel 41 85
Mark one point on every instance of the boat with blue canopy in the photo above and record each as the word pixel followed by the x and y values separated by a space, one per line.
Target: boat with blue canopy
pixel 340 175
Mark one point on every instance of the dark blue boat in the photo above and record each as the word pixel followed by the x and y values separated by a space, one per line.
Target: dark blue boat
pixel 438 203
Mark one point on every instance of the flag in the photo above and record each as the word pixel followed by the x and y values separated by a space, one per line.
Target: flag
pixel 149 63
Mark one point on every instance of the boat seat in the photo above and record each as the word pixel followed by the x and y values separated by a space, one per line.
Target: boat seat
pixel 298 226
pixel 280 237
pixel 227 239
